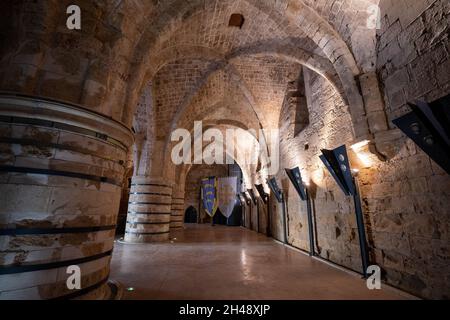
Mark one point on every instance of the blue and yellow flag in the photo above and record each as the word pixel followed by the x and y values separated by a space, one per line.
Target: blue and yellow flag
pixel 209 195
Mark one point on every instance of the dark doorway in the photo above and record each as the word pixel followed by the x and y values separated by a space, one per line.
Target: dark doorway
pixel 236 217
pixel 233 220
pixel 219 218
pixel 190 216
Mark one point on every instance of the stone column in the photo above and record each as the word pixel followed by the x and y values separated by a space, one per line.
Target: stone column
pixel 149 210
pixel 124 198
pixel 177 216
pixel 60 175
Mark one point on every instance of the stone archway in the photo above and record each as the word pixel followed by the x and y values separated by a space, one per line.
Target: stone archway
pixel 190 215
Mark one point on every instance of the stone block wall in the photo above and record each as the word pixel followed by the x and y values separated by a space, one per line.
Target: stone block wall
pixel 329 127
pixel 40 56
pixel 405 199
pixel 406 205
pixel 409 193
pixel 413 52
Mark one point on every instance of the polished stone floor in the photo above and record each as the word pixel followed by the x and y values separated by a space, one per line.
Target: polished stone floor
pixel 219 262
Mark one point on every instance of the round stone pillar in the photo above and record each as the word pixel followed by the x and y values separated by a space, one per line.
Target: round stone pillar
pixel 149 207
pixel 177 216
pixel 61 170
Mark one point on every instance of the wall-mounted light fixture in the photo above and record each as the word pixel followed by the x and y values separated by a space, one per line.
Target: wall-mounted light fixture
pixel 363 153
pixel 264 196
pixel 428 126
pixel 273 185
pixel 246 197
pixel 302 189
pixel 337 163
pixel 252 195
pixel 243 201
pixel 296 179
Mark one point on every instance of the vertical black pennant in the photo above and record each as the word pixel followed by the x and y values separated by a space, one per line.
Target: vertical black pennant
pixel 252 195
pixel 272 182
pixel 428 131
pixel 338 165
pixel 262 193
pixel 246 197
pixel 332 165
pixel 340 154
pixel 296 179
pixel 441 111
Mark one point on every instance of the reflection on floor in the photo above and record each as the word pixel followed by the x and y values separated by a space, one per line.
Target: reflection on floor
pixel 206 262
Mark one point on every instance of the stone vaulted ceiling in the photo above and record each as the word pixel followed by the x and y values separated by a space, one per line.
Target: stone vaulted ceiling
pixel 198 67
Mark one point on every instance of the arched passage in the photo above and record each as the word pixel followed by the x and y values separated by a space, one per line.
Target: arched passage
pixel 82 110
pixel 190 215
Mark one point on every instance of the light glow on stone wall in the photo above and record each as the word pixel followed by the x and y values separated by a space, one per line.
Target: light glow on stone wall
pixel 317 177
pixel 365 157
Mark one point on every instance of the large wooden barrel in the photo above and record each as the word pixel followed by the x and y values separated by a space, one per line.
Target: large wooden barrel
pixel 177 216
pixel 149 206
pixel 61 169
